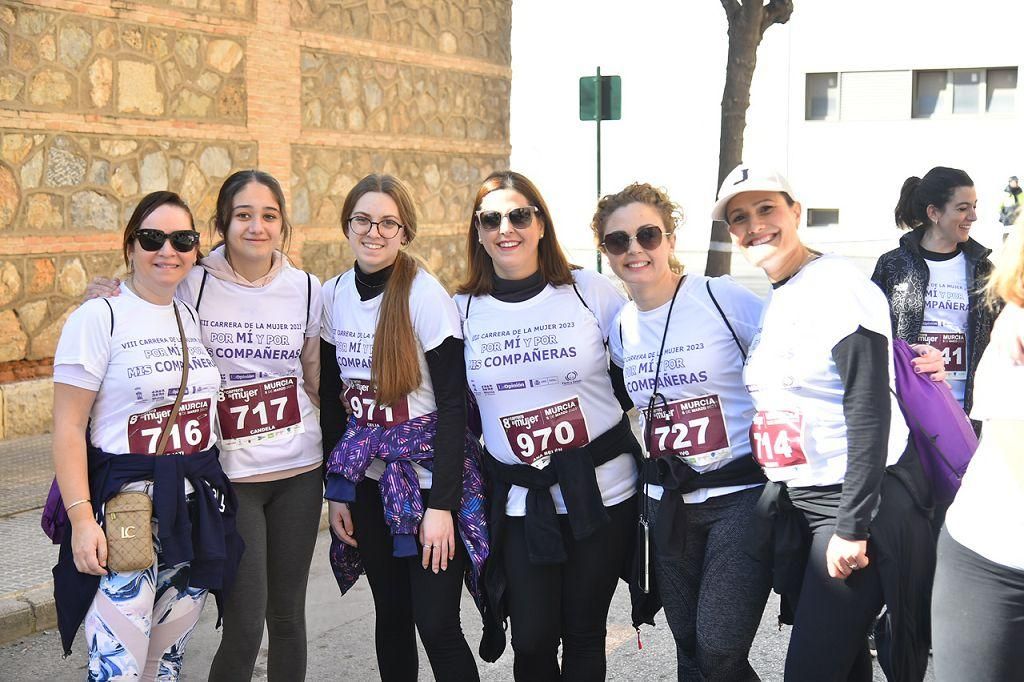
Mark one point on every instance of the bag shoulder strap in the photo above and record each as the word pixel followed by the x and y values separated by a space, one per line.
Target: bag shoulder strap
pixel 181 387
pixel 111 316
pixel 202 287
pixel 721 313
pixel 309 298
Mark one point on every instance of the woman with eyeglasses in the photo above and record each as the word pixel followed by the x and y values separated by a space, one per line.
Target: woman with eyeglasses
pixel 118 371
pixel 260 321
pixel 679 347
pixel 561 454
pixel 845 510
pixel 403 478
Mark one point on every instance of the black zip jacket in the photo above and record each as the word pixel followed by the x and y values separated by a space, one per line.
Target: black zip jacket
pixel 903 276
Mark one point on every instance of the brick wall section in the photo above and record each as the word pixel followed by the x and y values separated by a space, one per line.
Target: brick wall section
pixel 104 100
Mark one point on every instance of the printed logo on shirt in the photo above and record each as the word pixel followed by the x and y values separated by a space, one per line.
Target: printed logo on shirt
pixel 511 385
pixel 244 376
pixel 570 378
pixel 545 381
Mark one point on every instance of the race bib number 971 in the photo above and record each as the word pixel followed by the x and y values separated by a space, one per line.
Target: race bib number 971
pixel 693 429
pixel 189 433
pixel 536 434
pixel 362 403
pixel 777 437
pixel 259 412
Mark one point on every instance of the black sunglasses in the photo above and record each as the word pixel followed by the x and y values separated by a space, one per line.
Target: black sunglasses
pixel 648 237
pixel 519 218
pixel 153 240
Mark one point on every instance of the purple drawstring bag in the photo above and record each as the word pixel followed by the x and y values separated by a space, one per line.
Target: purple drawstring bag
pixel 55 519
pixel 942 433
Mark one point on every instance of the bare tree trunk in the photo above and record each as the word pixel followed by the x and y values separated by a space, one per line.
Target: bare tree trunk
pixel 748 20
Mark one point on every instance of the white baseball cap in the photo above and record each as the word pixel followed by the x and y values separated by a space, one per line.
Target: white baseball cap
pixel 744 178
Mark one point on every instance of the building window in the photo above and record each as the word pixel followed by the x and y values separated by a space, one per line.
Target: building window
pixel 822 217
pixel 955 92
pixel 822 99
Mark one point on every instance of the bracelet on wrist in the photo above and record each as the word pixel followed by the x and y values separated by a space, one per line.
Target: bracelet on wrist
pixel 69 507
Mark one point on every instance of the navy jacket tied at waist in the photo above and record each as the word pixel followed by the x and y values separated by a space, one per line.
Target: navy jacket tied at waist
pixel 203 535
pixel 677 478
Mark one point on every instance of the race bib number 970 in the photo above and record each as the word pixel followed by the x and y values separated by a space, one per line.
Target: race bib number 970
pixel 777 437
pixel 362 403
pixel 536 434
pixel 259 412
pixel 189 433
pixel 693 429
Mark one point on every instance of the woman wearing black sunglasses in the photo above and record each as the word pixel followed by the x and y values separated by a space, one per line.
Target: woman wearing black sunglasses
pixel 261 323
pixel 679 348
pixel 560 449
pixel 117 372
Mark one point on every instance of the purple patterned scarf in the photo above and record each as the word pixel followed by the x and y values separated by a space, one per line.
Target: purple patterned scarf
pixel 399 446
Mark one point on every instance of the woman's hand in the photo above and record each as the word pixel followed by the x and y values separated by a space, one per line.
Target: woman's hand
pixel 101 287
pixel 437 535
pixel 929 361
pixel 341 522
pixel 89 547
pixel 843 557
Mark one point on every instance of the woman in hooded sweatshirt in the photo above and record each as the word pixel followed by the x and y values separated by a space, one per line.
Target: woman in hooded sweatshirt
pixel 260 321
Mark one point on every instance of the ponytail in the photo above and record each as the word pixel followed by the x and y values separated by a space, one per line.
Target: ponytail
pixel 904 207
pixel 396 367
pixel 936 188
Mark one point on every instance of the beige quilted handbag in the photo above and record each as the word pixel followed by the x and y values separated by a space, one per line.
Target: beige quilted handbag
pixel 129 533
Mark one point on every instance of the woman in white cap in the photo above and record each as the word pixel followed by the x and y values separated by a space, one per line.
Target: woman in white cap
pixel 843 512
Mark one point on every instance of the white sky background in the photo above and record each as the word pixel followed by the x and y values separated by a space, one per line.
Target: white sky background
pixel 671 57
pixel 672 65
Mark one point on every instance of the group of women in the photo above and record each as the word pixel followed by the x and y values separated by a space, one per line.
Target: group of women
pixel 773 453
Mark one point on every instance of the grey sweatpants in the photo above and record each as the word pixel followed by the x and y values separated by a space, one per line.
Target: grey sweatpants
pixel 278 520
pixel 715 595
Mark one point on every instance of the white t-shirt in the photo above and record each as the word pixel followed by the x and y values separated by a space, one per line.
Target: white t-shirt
pixel 945 318
pixel 799 430
pixel 255 335
pixel 987 515
pixel 539 371
pixel 708 410
pixel 351 324
pixel 136 371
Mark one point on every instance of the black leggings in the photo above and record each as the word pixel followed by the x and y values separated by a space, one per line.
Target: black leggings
pixel 977 616
pixel 715 594
pixel 565 602
pixel 833 616
pixel 405 594
pixel 278 520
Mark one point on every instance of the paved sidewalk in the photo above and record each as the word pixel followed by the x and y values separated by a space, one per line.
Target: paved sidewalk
pixel 26 555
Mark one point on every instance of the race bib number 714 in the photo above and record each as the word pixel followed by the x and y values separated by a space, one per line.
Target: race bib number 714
pixel 777 438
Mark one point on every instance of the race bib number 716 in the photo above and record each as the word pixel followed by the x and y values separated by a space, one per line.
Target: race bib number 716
pixel 189 434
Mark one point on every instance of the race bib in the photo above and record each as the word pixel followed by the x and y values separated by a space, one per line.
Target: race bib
pixel 777 437
pixel 953 347
pixel 259 412
pixel 535 435
pixel 362 401
pixel 190 432
pixel 693 429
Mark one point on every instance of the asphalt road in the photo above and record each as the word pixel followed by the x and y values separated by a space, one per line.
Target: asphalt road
pixel 341 642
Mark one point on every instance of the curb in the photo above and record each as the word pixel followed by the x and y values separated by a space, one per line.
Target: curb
pixel 32 610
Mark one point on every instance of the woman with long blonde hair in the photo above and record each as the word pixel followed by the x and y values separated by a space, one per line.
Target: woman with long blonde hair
pixel 978 599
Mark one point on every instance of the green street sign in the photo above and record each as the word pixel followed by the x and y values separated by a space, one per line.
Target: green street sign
pixel 611 98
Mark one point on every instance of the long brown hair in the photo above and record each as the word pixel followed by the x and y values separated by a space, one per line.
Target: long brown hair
pixel 554 266
pixel 396 367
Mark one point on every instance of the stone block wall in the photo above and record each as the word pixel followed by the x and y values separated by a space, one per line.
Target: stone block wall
pixel 103 101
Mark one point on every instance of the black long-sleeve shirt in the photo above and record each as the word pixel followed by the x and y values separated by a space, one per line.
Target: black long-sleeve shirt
pixel 447 369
